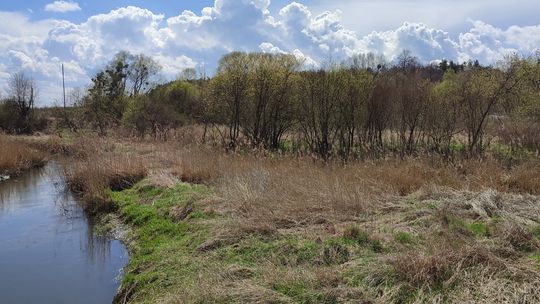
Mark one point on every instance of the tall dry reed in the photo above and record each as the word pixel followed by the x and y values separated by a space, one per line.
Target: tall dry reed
pixel 17 155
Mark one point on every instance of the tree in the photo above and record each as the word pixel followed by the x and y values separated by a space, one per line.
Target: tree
pixel 443 113
pixel 267 116
pixel 230 91
pixel 379 113
pixel 365 61
pixel 358 90
pixel 481 92
pixel 321 93
pixel 155 115
pixel 189 74
pixel 22 94
pixel 135 71
pixel 96 105
pixel 141 70
pixel 125 76
pixel 411 96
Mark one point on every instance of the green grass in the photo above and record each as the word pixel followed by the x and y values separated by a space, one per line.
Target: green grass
pixel 284 251
pixel 432 206
pixel 403 237
pixel 163 253
pixel 536 257
pixel 536 231
pixel 479 229
pixel 476 228
pixel 164 260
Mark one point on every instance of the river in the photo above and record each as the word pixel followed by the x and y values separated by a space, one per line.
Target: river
pixel 48 251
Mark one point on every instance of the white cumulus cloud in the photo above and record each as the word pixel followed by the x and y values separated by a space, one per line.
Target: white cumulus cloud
pixel 190 39
pixel 62 7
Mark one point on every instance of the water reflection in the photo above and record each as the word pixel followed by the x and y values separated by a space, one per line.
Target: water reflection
pixel 47 243
pixel 13 188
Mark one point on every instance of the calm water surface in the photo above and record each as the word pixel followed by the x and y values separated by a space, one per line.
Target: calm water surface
pixel 48 253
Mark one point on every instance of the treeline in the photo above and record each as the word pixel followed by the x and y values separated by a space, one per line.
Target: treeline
pixel 361 107
pixel 364 106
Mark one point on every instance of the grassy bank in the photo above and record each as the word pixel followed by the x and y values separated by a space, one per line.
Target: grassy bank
pixel 18 155
pixel 437 246
pixel 212 227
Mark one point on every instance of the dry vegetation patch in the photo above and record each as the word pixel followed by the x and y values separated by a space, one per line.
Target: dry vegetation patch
pixel 18 155
pixel 288 229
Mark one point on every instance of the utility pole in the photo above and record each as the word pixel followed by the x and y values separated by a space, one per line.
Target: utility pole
pixel 64 86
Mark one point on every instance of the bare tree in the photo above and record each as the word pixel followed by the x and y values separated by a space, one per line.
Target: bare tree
pixel 482 90
pixel 188 74
pixel 136 71
pixel 140 72
pixel 323 90
pixel 22 93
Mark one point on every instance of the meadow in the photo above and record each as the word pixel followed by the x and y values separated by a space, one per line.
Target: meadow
pixel 208 226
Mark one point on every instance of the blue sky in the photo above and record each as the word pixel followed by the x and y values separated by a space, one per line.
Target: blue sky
pixel 37 36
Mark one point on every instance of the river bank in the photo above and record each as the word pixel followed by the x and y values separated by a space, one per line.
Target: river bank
pixel 434 245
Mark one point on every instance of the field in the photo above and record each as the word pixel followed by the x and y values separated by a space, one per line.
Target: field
pixel 208 226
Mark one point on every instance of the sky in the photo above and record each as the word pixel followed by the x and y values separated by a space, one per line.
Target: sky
pixel 38 36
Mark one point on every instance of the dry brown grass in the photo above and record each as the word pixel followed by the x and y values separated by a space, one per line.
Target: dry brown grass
pixel 292 193
pixel 525 178
pixel 517 237
pixel 271 193
pixel 275 196
pixel 441 266
pixel 18 155
pixel 262 193
pixel 92 177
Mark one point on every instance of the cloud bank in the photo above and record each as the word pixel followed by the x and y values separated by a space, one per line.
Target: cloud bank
pixel 193 39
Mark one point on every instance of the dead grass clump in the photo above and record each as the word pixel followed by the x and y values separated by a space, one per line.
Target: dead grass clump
pixel 525 179
pixel 292 193
pixel 181 213
pixel 408 176
pixel 159 179
pixel 91 178
pixel 419 269
pixel 18 155
pixel 517 237
pixel 189 175
pixel 442 266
